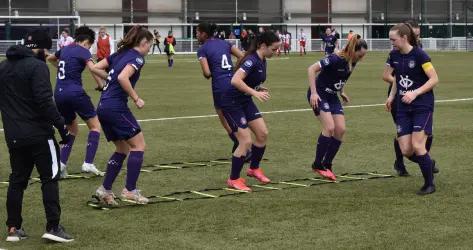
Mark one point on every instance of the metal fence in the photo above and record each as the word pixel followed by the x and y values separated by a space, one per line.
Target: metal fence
pixel 188 46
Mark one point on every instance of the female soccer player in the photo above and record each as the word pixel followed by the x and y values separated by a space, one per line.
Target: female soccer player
pixel 335 69
pixel 169 43
pixel 241 112
pixel 119 124
pixel 399 166
pixel 71 97
pixel 329 42
pixel 215 57
pixel 415 80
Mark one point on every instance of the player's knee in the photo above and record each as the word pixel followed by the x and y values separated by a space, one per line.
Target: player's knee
pixel 329 130
pixel 419 148
pixel 262 136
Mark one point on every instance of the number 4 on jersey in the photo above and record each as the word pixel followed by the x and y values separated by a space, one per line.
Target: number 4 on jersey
pixel 225 64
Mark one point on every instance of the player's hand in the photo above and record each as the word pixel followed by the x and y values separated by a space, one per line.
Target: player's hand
pixel 262 96
pixel 99 88
pixel 139 103
pixel 409 97
pixel 314 100
pixel 261 88
pixel 64 133
pixel 345 98
pixel 389 103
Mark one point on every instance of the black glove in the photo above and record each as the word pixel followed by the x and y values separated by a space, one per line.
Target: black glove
pixel 65 135
pixel 63 132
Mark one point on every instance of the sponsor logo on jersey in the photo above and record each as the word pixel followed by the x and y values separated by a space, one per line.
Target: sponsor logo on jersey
pixel 139 60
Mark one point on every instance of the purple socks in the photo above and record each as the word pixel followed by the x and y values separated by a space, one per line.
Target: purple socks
pixel 92 145
pixel 256 156
pixel 135 160
pixel 113 168
pixel 66 149
pixel 237 165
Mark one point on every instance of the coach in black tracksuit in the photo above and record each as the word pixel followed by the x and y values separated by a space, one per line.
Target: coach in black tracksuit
pixel 29 114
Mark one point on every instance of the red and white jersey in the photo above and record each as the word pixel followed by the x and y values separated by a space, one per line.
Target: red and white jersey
pixel 303 37
pixel 287 38
pixel 64 41
pixel 282 37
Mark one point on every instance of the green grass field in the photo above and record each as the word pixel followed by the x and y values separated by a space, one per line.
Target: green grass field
pixel 371 214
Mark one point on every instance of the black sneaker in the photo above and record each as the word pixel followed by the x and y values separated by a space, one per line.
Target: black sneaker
pixel 425 190
pixel 400 169
pixel 435 169
pixel 57 234
pixel 15 235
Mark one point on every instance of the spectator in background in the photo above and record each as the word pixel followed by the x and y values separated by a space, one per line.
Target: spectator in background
pixel 156 41
pixel 64 39
pixel 104 44
pixel 232 36
pixel 221 35
pixel 169 43
pixel 350 35
pixel 244 40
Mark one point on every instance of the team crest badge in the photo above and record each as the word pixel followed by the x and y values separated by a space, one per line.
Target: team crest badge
pixel 139 60
pixel 243 120
pixel 326 106
pixel 412 64
pixel 399 129
pixel 248 63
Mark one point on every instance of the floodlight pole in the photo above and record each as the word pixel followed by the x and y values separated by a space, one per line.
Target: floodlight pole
pixel 236 11
pixel 131 11
pixel 9 10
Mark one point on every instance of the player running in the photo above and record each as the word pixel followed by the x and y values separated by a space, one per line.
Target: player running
pixel 119 124
pixel 335 69
pixel 71 98
pixel 329 42
pixel 215 57
pixel 241 112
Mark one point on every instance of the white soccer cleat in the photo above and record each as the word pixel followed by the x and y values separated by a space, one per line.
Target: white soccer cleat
pixel 105 196
pixel 134 196
pixel 63 171
pixel 91 168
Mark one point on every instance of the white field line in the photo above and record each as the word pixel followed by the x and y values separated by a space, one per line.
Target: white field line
pixel 281 111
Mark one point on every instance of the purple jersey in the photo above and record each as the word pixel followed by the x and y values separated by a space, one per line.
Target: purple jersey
pixel 72 61
pixel 113 95
pixel 330 42
pixel 255 69
pixel 410 76
pixel 333 75
pixel 219 57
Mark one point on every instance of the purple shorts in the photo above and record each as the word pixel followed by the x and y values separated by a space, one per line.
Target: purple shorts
pixel 240 113
pixel 329 104
pixel 70 103
pixel 414 121
pixel 117 124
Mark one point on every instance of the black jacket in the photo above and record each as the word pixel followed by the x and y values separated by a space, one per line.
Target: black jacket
pixel 26 99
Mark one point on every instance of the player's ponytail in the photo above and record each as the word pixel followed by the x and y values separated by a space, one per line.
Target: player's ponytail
pixel 356 43
pixel 84 33
pixel 267 38
pixel 405 29
pixel 134 37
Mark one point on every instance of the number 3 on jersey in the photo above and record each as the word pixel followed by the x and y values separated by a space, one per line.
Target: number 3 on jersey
pixel 225 64
pixel 61 72
pixel 109 78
